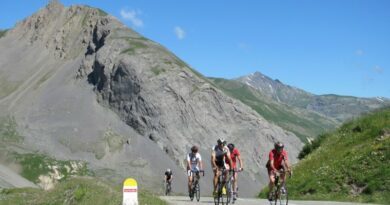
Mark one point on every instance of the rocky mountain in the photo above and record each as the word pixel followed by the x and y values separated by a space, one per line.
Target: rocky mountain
pixel 306 124
pixel 79 85
pixel 336 107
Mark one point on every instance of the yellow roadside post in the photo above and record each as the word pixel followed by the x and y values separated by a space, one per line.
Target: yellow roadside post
pixel 130 192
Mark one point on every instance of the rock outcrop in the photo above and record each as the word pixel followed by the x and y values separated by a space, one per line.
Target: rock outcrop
pixel 83 86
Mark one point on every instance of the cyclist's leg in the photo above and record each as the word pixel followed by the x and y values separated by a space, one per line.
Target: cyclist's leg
pixel 271 175
pixel 216 175
pixel 235 182
pixel 189 173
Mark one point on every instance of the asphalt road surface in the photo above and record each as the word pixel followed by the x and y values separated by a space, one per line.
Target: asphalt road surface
pixel 182 200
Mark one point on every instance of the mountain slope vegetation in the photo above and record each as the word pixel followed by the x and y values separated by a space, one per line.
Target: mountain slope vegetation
pixel 351 164
pixel 336 107
pixel 305 124
pixel 78 190
pixel 77 84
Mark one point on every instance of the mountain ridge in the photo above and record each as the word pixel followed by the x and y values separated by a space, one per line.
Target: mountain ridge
pixel 82 86
pixel 338 107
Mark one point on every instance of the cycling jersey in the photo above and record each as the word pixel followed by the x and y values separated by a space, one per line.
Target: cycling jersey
pixel 194 160
pixel 169 175
pixel 233 155
pixel 278 158
pixel 220 155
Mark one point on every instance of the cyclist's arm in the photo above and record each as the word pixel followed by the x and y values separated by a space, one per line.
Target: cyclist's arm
pixel 188 163
pixel 271 163
pixel 287 165
pixel 213 164
pixel 229 159
pixel 240 160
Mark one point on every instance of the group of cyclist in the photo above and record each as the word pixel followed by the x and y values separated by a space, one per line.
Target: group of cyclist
pixel 224 159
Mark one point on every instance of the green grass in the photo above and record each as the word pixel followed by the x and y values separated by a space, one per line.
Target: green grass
pixel 3 32
pixel 158 71
pixel 8 132
pixel 79 190
pixel 135 44
pixel 34 165
pixel 350 164
pixel 304 125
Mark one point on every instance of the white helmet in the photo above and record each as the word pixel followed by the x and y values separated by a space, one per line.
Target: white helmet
pixel 168 170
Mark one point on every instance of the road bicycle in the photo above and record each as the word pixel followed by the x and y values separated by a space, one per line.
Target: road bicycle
pixel 279 195
pixel 195 188
pixel 167 187
pixel 229 187
pixel 223 192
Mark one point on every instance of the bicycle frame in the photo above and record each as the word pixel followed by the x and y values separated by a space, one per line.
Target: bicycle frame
pixel 278 196
pixel 195 188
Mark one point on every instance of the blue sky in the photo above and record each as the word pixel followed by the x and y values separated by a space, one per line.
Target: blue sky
pixel 322 46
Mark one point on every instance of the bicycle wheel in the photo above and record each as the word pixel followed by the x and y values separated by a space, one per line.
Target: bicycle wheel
pixel 283 196
pixel 197 189
pixel 229 192
pixel 166 189
pixel 217 196
pixel 277 196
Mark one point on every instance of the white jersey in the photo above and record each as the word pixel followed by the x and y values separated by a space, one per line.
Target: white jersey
pixel 194 160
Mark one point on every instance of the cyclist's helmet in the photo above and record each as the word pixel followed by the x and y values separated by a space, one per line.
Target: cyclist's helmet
pixel 279 146
pixel 231 147
pixel 221 141
pixel 169 170
pixel 194 148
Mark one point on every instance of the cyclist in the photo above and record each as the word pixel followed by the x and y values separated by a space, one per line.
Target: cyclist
pixel 234 155
pixel 218 155
pixel 277 160
pixel 168 176
pixel 194 164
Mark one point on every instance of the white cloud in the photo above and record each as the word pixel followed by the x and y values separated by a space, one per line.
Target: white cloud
pixel 359 52
pixel 180 33
pixel 132 16
pixel 378 69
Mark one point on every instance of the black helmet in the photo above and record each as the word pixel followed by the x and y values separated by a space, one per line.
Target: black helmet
pixel 194 148
pixel 221 141
pixel 231 146
pixel 279 145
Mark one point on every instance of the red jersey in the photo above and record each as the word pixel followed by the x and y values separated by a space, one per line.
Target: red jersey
pixel 234 154
pixel 278 158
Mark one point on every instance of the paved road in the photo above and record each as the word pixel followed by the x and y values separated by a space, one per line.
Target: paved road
pixel 181 200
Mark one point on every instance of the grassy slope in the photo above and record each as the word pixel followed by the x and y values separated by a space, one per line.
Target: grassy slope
pixel 2 32
pixel 80 190
pixel 303 124
pixel 352 164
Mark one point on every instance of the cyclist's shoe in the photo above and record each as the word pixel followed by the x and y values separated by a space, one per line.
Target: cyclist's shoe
pixel 234 195
pixel 270 197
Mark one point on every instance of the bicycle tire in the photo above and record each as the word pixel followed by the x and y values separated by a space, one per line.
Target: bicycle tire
pixel 217 196
pixel 283 198
pixel 166 189
pixel 229 194
pixel 197 188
